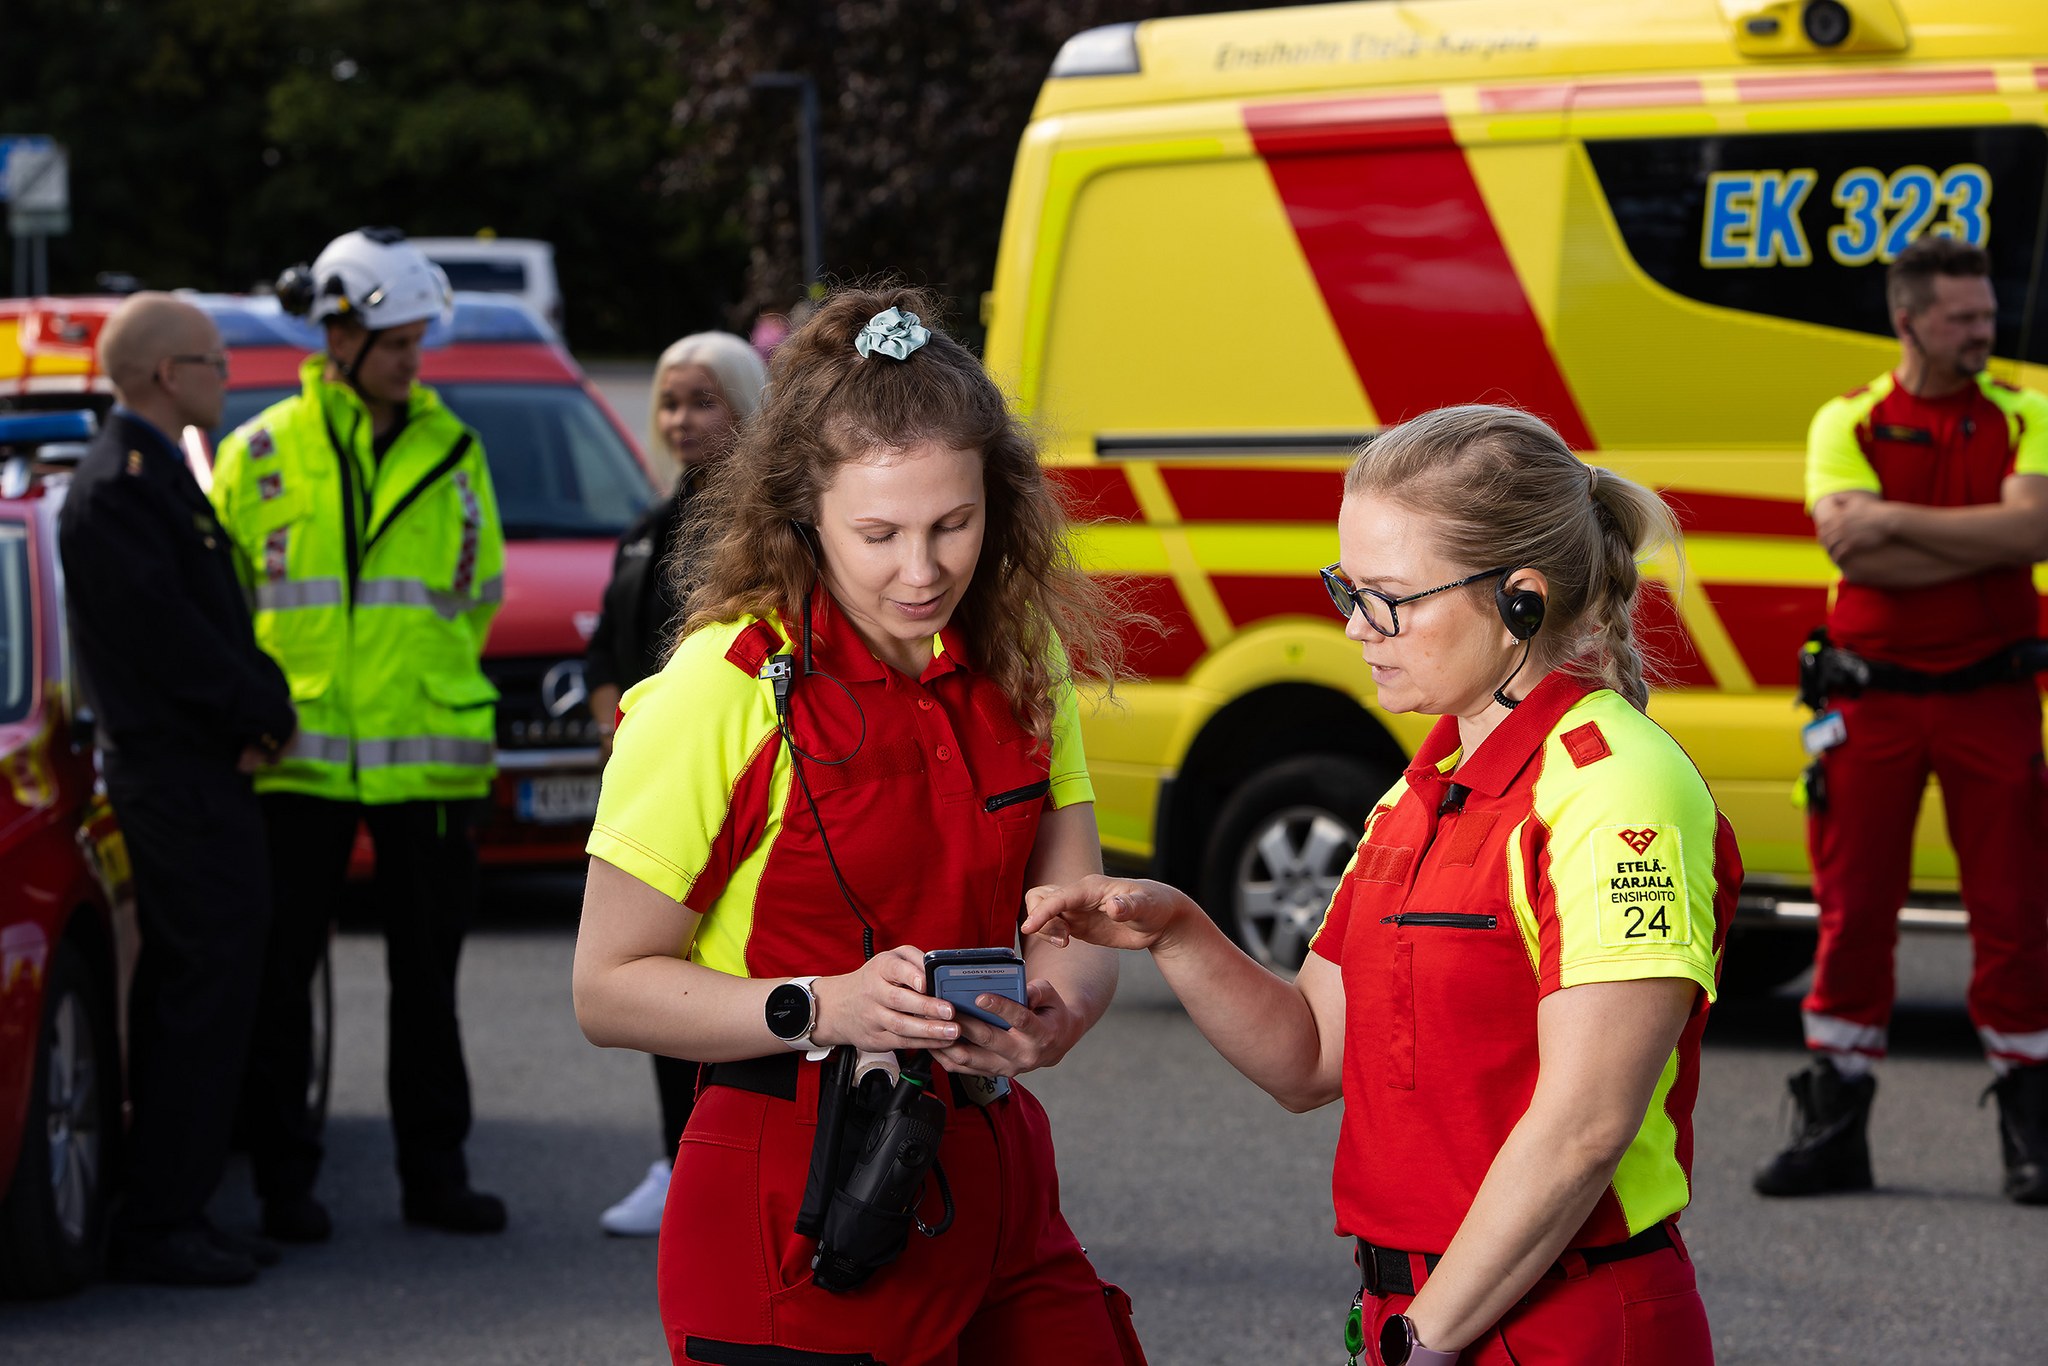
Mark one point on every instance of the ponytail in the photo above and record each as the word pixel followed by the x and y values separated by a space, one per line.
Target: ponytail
pixel 1633 523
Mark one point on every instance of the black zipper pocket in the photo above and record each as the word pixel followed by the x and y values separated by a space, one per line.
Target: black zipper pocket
pixel 762 1354
pixel 1448 920
pixel 1016 795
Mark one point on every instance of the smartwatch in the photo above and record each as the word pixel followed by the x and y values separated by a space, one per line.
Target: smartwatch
pixel 793 1012
pixel 1400 1347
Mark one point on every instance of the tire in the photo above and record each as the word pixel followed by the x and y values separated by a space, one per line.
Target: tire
pixel 1757 962
pixel 1278 849
pixel 53 1220
pixel 320 1079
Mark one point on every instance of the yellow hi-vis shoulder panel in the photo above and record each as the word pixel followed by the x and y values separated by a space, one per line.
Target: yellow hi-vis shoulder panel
pixel 1629 882
pixel 2026 422
pixel 669 813
pixel 1835 462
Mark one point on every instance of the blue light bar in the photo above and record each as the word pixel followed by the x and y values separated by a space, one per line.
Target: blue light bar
pixel 33 429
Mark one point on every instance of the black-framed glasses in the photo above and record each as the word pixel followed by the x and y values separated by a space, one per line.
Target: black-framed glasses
pixel 217 359
pixel 1382 612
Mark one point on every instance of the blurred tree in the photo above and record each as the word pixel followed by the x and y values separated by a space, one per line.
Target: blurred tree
pixel 922 103
pixel 213 142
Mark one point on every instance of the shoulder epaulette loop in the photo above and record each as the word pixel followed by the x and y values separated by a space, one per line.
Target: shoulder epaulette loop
pixel 752 647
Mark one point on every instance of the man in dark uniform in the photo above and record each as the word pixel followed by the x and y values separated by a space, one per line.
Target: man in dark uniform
pixel 188 708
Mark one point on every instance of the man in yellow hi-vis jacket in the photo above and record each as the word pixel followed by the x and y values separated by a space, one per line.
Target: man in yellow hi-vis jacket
pixel 365 524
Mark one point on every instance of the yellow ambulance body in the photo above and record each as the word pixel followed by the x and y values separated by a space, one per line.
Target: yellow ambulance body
pixel 1237 245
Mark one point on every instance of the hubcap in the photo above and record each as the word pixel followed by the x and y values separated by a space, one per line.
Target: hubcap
pixel 74 1117
pixel 1286 876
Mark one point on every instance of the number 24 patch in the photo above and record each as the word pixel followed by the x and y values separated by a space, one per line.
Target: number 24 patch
pixel 1639 880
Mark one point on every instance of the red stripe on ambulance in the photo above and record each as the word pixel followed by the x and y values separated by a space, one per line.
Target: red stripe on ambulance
pixel 1156 655
pixel 1414 273
pixel 1863 85
pixel 1095 492
pixel 1768 622
pixel 1664 637
pixel 1729 514
pixel 1255 495
pixel 1251 598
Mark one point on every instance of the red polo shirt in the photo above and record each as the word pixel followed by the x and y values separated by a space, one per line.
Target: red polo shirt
pixel 1952 451
pixel 1587 849
pixel 929 790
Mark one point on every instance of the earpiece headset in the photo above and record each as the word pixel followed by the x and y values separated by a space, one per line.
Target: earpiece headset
pixel 1521 611
pixel 782 674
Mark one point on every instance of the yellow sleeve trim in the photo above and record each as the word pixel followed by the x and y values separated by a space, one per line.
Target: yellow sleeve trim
pixel 628 855
pixel 1068 779
pixel 1637 967
pixel 1835 462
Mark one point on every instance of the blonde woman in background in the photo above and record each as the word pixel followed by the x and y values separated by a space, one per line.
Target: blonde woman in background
pixel 705 387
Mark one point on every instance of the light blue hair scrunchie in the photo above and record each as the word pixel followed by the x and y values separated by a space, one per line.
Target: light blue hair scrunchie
pixel 893 333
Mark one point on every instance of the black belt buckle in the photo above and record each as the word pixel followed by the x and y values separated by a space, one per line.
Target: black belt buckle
pixel 1369 1267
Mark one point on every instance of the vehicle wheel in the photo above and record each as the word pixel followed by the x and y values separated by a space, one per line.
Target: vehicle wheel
pixel 320 1080
pixel 1757 962
pixel 53 1221
pixel 1280 846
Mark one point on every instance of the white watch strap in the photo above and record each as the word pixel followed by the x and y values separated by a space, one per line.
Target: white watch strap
pixel 802 1042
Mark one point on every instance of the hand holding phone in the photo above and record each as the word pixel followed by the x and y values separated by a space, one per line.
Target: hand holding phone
pixel 960 975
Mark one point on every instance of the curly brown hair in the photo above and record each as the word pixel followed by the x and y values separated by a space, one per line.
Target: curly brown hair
pixel 825 406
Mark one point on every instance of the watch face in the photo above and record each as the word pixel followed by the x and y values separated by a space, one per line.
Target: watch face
pixel 789 1011
pixel 1395 1341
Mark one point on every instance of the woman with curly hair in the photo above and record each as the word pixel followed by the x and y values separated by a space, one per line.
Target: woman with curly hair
pixel 863 748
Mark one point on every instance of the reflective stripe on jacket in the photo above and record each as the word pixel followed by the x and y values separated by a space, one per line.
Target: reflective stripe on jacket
pixel 373 584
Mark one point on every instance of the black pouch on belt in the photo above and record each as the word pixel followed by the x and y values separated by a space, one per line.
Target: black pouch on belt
pixel 868 1222
pixel 1813 681
pixel 835 1083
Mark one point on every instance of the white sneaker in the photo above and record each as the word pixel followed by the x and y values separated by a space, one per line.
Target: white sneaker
pixel 639 1214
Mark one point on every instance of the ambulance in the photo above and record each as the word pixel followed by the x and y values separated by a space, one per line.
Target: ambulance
pixel 1237 245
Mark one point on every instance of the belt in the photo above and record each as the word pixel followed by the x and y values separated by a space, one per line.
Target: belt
pixel 1829 669
pixel 776 1076
pixel 1390 1272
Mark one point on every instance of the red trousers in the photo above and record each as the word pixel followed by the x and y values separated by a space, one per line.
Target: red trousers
pixel 1985 747
pixel 1006 1285
pixel 1644 1311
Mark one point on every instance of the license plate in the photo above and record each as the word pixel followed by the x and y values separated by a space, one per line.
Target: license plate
pixel 558 801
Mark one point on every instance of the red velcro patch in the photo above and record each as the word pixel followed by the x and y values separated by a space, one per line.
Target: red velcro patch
pixel 1586 745
pixel 754 646
pixel 1384 863
pixel 1461 847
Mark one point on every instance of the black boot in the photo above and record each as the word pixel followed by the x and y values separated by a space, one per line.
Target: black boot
pixel 1830 1149
pixel 2023 1133
pixel 458 1209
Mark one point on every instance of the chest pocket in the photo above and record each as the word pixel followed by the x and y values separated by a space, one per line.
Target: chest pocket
pixel 874 762
pixel 1460 980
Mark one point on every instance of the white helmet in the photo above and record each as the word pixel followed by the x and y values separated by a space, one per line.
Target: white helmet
pixel 372 275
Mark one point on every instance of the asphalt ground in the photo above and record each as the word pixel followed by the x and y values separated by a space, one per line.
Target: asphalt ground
pixel 1201 1197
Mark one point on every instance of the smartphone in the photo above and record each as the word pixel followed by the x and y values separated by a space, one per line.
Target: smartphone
pixel 960 975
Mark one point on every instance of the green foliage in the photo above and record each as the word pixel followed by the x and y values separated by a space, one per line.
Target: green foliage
pixel 922 103
pixel 214 142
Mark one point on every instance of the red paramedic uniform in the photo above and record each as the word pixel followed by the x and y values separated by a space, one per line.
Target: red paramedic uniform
pixel 1586 849
pixel 932 820
pixel 1984 745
